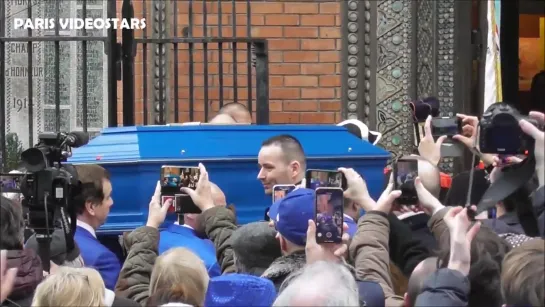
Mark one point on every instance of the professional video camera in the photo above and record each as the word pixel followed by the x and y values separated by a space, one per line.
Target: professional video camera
pixel 500 132
pixel 48 187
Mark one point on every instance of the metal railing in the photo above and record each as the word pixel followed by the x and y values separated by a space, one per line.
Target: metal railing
pixel 184 39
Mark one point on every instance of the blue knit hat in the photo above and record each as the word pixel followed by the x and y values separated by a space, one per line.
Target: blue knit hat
pixel 240 290
pixel 294 211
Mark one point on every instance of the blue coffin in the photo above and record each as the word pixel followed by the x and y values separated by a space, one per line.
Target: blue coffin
pixel 134 156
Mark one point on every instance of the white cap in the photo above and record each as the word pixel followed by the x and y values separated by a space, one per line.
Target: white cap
pixel 363 130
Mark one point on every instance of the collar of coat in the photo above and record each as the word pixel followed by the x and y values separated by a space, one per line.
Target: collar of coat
pixel 285 265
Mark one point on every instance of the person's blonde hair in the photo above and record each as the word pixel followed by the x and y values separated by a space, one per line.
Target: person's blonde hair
pixel 522 280
pixel 179 276
pixel 71 287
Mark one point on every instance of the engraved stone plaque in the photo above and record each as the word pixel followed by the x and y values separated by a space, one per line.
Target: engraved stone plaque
pixel 16 72
pixel 43 71
pixel 49 119
pixel 96 64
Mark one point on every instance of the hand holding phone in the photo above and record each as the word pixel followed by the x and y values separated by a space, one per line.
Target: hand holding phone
pixel 405 172
pixel 316 178
pixel 173 179
pixel 329 217
pixel 445 126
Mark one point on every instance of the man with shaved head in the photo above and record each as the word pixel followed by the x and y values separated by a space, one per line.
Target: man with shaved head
pixel 222 119
pixel 421 272
pixel 189 233
pixel 237 111
pixel 282 161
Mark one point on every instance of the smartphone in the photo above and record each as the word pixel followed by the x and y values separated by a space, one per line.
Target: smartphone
pixel 405 172
pixel 316 178
pixel 173 179
pixel 445 126
pixel 329 216
pixel 281 190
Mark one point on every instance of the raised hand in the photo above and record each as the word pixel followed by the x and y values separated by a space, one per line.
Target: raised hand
pixel 539 137
pixel 157 211
pixel 461 235
pixel 428 148
pixel 202 195
pixel 357 189
pixel 387 198
pixel 429 204
pixel 470 126
pixel 327 251
pixel 499 164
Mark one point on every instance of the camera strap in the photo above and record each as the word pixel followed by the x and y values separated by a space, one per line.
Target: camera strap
pixel 69 233
pixel 508 181
pixel 44 241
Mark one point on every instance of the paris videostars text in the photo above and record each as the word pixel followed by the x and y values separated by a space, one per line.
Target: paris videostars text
pixel 79 23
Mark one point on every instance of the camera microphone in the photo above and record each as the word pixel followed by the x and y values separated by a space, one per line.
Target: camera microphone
pixel 76 139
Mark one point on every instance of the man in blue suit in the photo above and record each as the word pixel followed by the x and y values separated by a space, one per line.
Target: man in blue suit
pixel 187 235
pixel 92 208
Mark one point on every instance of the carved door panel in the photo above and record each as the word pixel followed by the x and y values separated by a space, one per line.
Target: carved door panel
pixel 396 51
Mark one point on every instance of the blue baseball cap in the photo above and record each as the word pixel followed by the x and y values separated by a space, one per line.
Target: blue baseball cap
pixel 239 290
pixel 293 213
pixel 273 209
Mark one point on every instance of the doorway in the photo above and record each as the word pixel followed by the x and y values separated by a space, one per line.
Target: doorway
pixel 523 54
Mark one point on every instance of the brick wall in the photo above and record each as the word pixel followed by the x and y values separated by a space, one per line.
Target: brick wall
pixel 304 59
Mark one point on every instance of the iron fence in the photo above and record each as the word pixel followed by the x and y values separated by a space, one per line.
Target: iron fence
pixel 211 42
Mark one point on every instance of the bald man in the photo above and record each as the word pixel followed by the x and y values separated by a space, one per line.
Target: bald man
pixel 238 112
pixel 421 272
pixel 222 119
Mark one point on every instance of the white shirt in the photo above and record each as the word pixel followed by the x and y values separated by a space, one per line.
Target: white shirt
pixel 87 227
pixel 407 215
pixel 184 225
pixel 347 217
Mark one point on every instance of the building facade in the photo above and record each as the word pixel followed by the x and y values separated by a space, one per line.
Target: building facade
pixel 327 60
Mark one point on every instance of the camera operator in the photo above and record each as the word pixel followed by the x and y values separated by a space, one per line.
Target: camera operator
pixel 27 262
pixel 92 208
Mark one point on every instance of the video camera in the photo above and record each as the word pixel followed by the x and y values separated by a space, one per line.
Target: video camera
pixel 500 132
pixel 49 187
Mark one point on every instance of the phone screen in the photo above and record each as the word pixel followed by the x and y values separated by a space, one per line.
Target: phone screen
pixel 173 179
pixel 324 179
pixel 280 191
pixel 329 215
pixel 405 172
pixel 445 126
pixel 11 183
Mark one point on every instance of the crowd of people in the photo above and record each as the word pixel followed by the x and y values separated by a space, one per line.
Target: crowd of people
pixel 431 253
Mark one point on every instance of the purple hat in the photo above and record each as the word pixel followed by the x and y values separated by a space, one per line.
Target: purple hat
pixel 239 290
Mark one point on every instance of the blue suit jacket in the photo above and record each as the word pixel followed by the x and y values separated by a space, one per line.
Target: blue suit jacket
pixel 180 236
pixel 99 257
